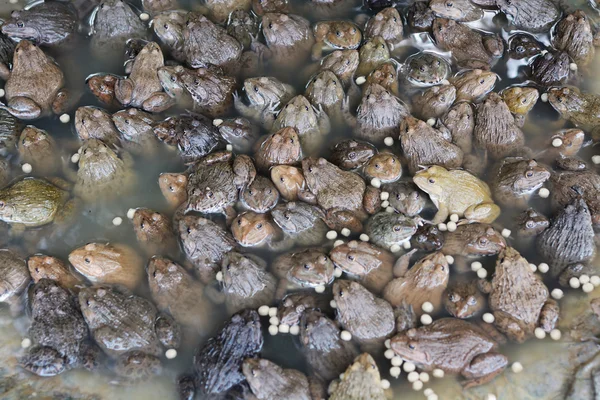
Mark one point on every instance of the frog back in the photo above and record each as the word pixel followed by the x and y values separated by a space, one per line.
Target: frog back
pixel 465 190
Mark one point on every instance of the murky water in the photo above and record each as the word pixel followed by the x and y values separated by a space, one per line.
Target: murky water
pixel 548 364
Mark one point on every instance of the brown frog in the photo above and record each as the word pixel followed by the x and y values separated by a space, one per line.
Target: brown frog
pixel 47 267
pixel 251 229
pixel 426 69
pixel 351 154
pixel 307 268
pixel 515 179
pixel 154 232
pixel 434 102
pixel 269 381
pixel 325 90
pixel 461 10
pixel 572 140
pixel 518 298
pixel 240 133
pixel 264 94
pixel 425 281
pixel 370 264
pixel 570 184
pixel 361 380
pixel 174 188
pixel 574 35
pixel 552 68
pixel 40 150
pixel 178 293
pixel 369 319
pixel 472 85
pixel 303 223
pixel 34 88
pixel 110 263
pixel 156 6
pixel 460 123
pixel 95 123
pixel 470 49
pixel 260 196
pixel 384 166
pixel 372 53
pixel 211 90
pixel 343 63
pixel 246 282
pixel 137 133
pixel 463 299
pixel 405 197
pixel 387 24
pixel 220 10
pixel 495 129
pixel 288 38
pixel 168 27
pixel 378 114
pixel 261 7
pixel 288 180
pixel 14 279
pixel 280 148
pixel 454 346
pixel 385 75
pixel 389 230
pixel 335 35
pixel 473 240
pixel 142 89
pixel 582 109
pixel 424 145
pixel 530 223
pixel 242 25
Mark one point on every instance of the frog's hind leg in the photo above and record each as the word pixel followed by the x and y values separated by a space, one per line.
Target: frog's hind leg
pixel 483 369
pixel 124 91
pixel 158 102
pixel 484 213
pixel 23 108
pixel 44 361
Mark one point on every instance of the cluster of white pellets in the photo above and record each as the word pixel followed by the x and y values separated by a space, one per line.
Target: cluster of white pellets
pixel 585 282
pixel 275 326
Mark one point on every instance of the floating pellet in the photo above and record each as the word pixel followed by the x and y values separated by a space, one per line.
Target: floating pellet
pixel 544 97
pixel 338 242
pixel 274 321
pixel 385 384
pixel 284 328
pixel 506 232
pixel 384 196
pixel 396 361
pixel 424 377
pixel 428 392
pixel 320 289
pixel 438 373
pixel 360 80
pixel 490 396
pixel 596 159
pixel 388 141
pixel 65 118
pixel 229 148
pixel 451 226
pixel 273 330
pixel 557 294
pixel 413 377
pixel 583 279
pixel 574 283
pixel 337 272
pixel 482 273
pixel 2 93
pixel 144 16
pixel 117 221
pixel 130 213
pixel 432 396
pixel 573 67
pixel 220 276
pixel 454 217
pixel 476 266
pixel 346 336
pixel 263 311
pixel 539 333
pixel 364 237
pixel 533 267
pixel 409 367
pixel 557 142
pixel 395 248
pixel 418 385
pixel 390 210
pixel 442 227
pixel 587 287
pixel 217 122
pixel 544 193
pixel 331 235
pixel 395 372
pixel 27 168
pixel 426 319
pixel 171 354
pixel 75 158
pixel 543 268
pixel 387 343
pixel 346 232
pixel 431 121
pixel 555 334
pixel 450 259
pixel 25 343
pixel 406 245
pixel 333 304
pixel 294 330
pixel 427 307
pixel 389 354
pixel 488 318
pixel 595 280
pixel 517 367
pixel 385 204
pixel 376 182
pixel 272 311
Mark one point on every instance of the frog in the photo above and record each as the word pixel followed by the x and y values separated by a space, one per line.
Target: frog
pixel 279 148
pixel 580 108
pixel 368 318
pixel 472 241
pixel 463 299
pixel 210 89
pixel 102 86
pixel 307 268
pixel 523 46
pixel 10 129
pixel 570 238
pixel 46 24
pixel 326 91
pixel 260 196
pixel 459 123
pixel 385 75
pixel 5 172
pixel 35 87
pixel 551 69
pixel 475 203
pixel 387 24
pixel 434 102
pixel 14 279
pixel 95 123
pixel 168 27
pixel 518 298
pixel 205 244
pixel 261 7
pixel 405 197
pixel 218 362
pixel 420 17
pixel 251 229
pixel 343 63
pixel 246 282
pixel 108 263
pixel 142 89
pixel 373 52
pixel 425 69
pixel 114 23
pixel 37 148
pixel 173 187
pixel 530 223
pixel 264 94
pixel 288 37
pixel 435 150
pixel 156 6
pixel 461 10
pixel 335 35
pixel 472 85
pixel 378 114
pixel 325 9
pixel 213 186
pixel 326 353
pixel 333 188
pixel 7 49
pixel 423 282
pixel 312 123
pixel 103 173
pixel 302 222
pixel 515 179
pixel 58 332
pixel 388 230
pixel 240 133
pixel 204 43
pixel 370 264
pixel 534 16
pixel 288 180
pixel 520 100
pixel 453 345
pixel 495 129
pixel 137 132
pixel 243 26
pixel 294 305
pixel 361 380
pixel 154 232
pixel 176 292
pixel 574 35
pixel 567 185
pixel 128 328
pixel 43 266
pixel 572 140
pixel 427 238
pixel 470 49
pixel 33 202
pixel 384 166
pixel 268 380
pixel 351 154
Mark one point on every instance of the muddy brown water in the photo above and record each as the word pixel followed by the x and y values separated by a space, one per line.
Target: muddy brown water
pixel 548 365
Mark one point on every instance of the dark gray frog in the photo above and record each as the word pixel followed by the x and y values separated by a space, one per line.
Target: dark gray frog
pixel 268 380
pixel 390 229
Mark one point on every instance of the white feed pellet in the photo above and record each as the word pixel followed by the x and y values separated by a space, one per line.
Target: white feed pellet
pixel 360 80
pixel 364 237
pixel 544 193
pixel 476 266
pixel 543 268
pixel 118 221
pixel 385 384
pixel 75 158
pixel 482 273
pixel 544 97
pixel 346 336
pixel 338 242
pixel 432 396
pixel 217 122
pixel 533 267
pixel 409 367
pixel 587 287
pixel 539 333
pixel 596 159
pixel 395 372
pixel 595 280
pixel 229 148
pixel 506 232
pixel 557 294
pixel 438 373
pixel 284 328
pixel 346 232
pixel 388 141
pixel 406 245
pixel 130 213
pixel 25 343
pixel 385 204
pixel 584 279
pixel 320 289
pixel 220 276
pixel 273 330
pixel 442 227
pixel 384 196
pixel 272 311
pixel 426 319
pixel 65 118
pixel 451 226
pixel 418 385
pixel 27 168
pixel 376 182
pixel 573 67
pixel 424 377
pixel 171 354
pixel 333 304
pixel 390 210
pixel 331 235
pixel 428 392
pixel 555 334
pixel 489 318
pixel 413 376
pixel 294 330
pixel 516 367
pixel 395 248
pixel 454 218
pixel 2 93
pixel 389 354
pixel 450 259
pixel 396 361
pixel 144 16
pixel 337 272
pixel 557 142
pixel 388 343
pixel 274 321
pixel 263 311
pixel 574 283
pixel 427 307
pixel 431 121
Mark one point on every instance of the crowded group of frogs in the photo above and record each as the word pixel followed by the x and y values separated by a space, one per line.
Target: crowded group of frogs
pixel 339 166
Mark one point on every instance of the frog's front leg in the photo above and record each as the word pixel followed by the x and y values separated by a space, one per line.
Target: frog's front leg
pixel 483 368
pixel 441 215
pixel 158 102
pixel 402 263
pixel 240 107
pixel 4 72
pixel 124 91
pixel 317 51
pixel 167 331
pixel 323 121
pixel 350 118
pixel 513 328
pixel 23 108
pixel 44 361
pixel 549 315
pixel 484 213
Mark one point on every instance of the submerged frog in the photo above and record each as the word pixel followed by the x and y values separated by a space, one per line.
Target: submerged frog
pixel 426 69
pixel 472 85
pixel 268 380
pixel 351 154
pixel 168 27
pixel 302 222
pixel 463 299
pixel 372 53
pixel 523 45
pixel 264 94
pixel 282 147
pixel 387 24
pixel 260 196
pixel 388 230
pixel 35 87
pixel 14 279
pixel 173 187
pixel 518 298
pixel 242 25
pixel 154 232
pixel 58 332
pixel 288 38
pixel 472 241
pixel 288 180
pixel 301 269
pixel 360 381
pixel 475 203
pixel 515 180
pixel 385 75
pixel 335 35
pixel 343 63
pixel 326 90
pixel 454 346
pixel 38 148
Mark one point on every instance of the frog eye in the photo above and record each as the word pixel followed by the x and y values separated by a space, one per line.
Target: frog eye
pixel 352 155
pixel 397 228
pixel 411 345
pixel 209 194
pixel 529 224
pixel 483 241
pixel 87 260
pixel 256 88
pixel 1 204
pixel 189 230
pixel 524 100
pixel 472 301
pixel 259 226
pixel 341 293
pixel 250 192
pixel 307 266
pixel 377 166
pixel 382 46
pixel 286 216
pixel 350 257
pixel 395 19
pixel 282 180
pixel 166 26
pixel 306 108
pixel 143 225
pixel 368 96
pixel 127 121
pixel 482 81
pixel 239 221
pixel 270 25
pixel 422 68
pixel 310 169
pixel 20 24
pixel 347 62
pixel 453 297
pixel 438 63
pixel 449 4
pixel 529 174
pixel 338 34
pixel 431 180
pixel 292 140
pixel 442 98
pixel 559 99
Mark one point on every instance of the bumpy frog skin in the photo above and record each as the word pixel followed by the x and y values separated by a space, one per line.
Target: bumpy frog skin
pixel 474 203
pixel 458 10
pixel 288 37
pixel 360 381
pixel 474 84
pixel 426 69
pixel 387 24
pixel 463 299
pixel 390 229
pixel 267 380
pixel 46 267
pixel 335 35
pixel 169 26
pixel 306 268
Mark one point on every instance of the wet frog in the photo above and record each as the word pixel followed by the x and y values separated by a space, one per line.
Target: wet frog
pixel 240 133
pixel 472 85
pixel 434 102
pixel 523 45
pixel 384 166
pixel 335 35
pixel 405 197
pixel 343 63
pixel 279 148
pixel 326 91
pixel 520 100
pixel 372 53
pixel 389 230
pixel 574 35
pixel 265 94
pixel 154 232
pixel 427 238
pixel 46 267
pixel 552 68
pixel 387 24
pixel 459 121
pixel 7 49
pixel 531 16
pixel 210 90
pixel 530 223
pixel 582 109
pixel 361 380
pixel 426 69
pixel 288 38
pixel 173 187
pixel 260 196
pixel 137 133
pixel 351 154
pixel 95 123
pixel 472 241
pixel 302 222
pixel 14 279
pixel 168 27
pixel 269 381
pixel 243 26
pixel 40 150
pixel 515 179
pixel 385 75
pixel 307 268
pixel 461 10
pixel 288 180
pixel 463 299
pixel 518 298
pixel 454 346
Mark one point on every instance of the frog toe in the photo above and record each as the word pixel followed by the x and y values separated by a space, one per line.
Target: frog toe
pixel 44 361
